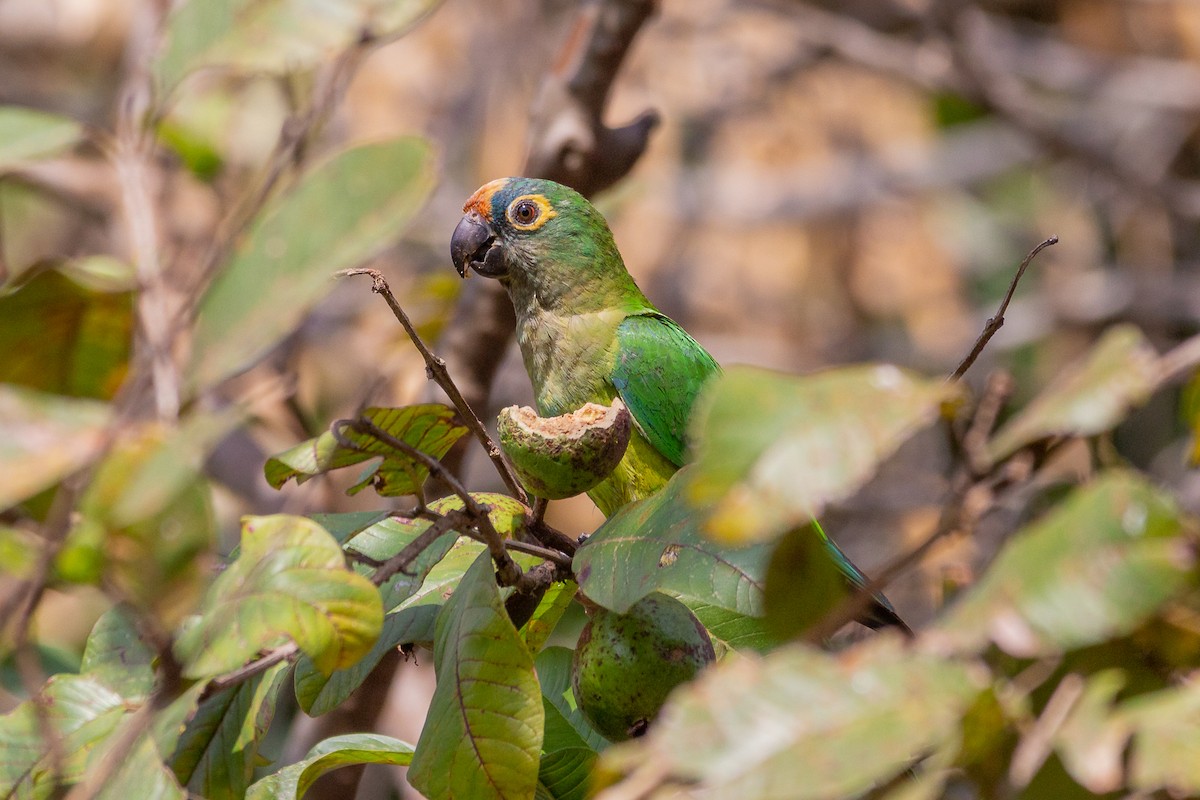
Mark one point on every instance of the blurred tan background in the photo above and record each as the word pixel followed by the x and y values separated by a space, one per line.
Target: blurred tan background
pixel 831 182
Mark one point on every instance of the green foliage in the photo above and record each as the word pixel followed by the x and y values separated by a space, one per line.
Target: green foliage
pixel 275 35
pixel 1094 568
pixel 291 782
pixel 431 428
pixel 218 749
pixel 84 336
pixel 26 133
pixel 1119 374
pixel 290 580
pixel 773 450
pixel 49 437
pixel 480 742
pixel 801 723
pixel 659 544
pixel 343 211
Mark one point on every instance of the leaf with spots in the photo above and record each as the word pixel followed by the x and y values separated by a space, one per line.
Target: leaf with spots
pixel 483 735
pixel 658 544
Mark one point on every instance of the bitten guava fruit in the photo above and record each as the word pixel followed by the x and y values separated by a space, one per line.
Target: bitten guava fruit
pixel 625 665
pixel 557 457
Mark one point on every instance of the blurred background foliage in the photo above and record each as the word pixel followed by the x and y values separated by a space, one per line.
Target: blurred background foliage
pixel 829 182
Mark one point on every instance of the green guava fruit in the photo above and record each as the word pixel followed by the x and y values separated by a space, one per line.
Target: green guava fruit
pixel 557 457
pixel 625 665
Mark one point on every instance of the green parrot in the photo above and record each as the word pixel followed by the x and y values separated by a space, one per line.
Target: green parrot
pixel 588 334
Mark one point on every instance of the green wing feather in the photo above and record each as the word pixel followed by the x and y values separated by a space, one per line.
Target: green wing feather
pixel 658 372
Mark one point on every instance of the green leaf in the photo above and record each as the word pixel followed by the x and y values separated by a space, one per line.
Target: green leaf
pixel 47 437
pixel 803 583
pixel 143 772
pixel 146 518
pixel 291 782
pixel 1166 741
pixel 801 723
pixel 658 544
pixel 566 774
pixel 81 711
pixel 431 428
pixel 772 450
pixel 275 35
pixel 26 133
pixel 216 755
pixel 342 212
pixel 546 616
pixel 63 337
pixel 289 580
pixel 1089 397
pixel 1093 568
pixel 566 728
pixel 484 730
pixel 319 694
pixel 116 656
pixel 345 526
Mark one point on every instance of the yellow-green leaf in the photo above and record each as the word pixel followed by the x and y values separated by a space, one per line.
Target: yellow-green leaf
pixel 46 438
pixel 431 428
pixel 1089 397
pixel 28 133
pixel 1093 568
pixel 290 581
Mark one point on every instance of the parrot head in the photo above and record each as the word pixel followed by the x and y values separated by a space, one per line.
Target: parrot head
pixel 529 229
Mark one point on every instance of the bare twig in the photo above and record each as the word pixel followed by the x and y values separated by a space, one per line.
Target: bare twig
pixel 132 157
pixel 996 321
pixel 955 516
pixel 569 141
pixel 285 652
pixel 436 368
pixel 1179 361
pixel 506 569
pixel 399 562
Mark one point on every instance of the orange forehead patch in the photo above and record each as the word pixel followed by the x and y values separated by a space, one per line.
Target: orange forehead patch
pixel 481 201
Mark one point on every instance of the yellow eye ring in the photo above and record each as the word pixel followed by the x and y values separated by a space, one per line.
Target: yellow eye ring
pixel 529 212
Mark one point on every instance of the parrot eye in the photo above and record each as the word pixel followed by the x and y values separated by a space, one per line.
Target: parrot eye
pixel 530 212
pixel 525 212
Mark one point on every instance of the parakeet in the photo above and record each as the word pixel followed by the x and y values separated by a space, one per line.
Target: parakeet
pixel 587 333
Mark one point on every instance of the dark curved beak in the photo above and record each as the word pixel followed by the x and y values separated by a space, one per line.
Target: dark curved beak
pixel 474 247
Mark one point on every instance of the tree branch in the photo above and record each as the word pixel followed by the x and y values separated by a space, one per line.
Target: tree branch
pixel 996 321
pixel 436 369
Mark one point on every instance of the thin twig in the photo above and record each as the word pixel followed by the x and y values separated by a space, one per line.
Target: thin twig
pixel 285 652
pixel 409 553
pixel 559 559
pixel 132 154
pixel 506 569
pixel 437 371
pixel 951 519
pixel 996 321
